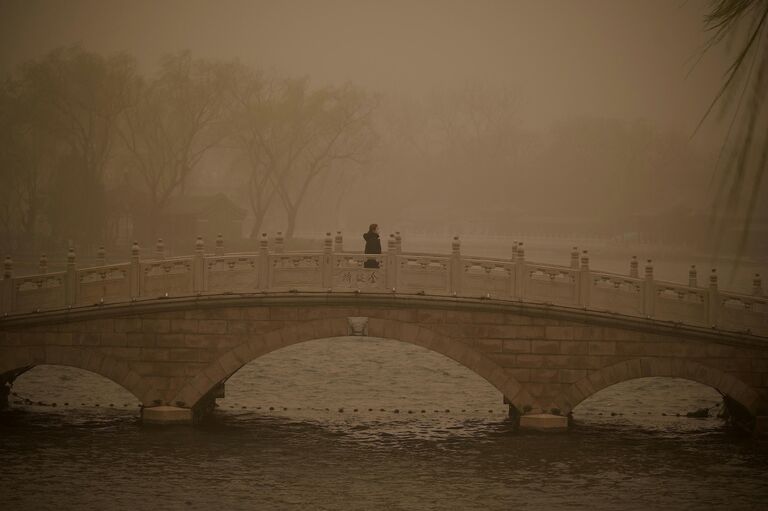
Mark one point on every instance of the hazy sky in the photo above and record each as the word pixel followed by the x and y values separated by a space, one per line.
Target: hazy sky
pixel 618 58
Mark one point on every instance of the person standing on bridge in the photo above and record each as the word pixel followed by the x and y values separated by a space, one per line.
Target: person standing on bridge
pixel 372 245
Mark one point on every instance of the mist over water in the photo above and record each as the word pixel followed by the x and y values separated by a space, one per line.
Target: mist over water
pixel 555 118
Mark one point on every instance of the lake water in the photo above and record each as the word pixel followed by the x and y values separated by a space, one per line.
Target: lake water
pixel 362 423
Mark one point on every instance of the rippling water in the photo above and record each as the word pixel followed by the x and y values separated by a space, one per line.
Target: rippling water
pixel 314 426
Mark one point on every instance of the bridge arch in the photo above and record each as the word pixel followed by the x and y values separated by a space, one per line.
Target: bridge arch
pixel 111 368
pixel 232 360
pixel 644 367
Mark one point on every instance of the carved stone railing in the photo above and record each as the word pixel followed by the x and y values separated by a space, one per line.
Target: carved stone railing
pixel 333 269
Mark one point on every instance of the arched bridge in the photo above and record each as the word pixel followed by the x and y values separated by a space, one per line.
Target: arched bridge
pixel 171 331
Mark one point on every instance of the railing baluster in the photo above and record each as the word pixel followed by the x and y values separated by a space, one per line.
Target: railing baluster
pixel 264 283
pixel 391 263
pixel 134 272
pixel 455 265
pixel 219 245
pixel 326 262
pixel 160 249
pixel 713 315
pixel 280 242
pixel 198 267
pixel 338 243
pixel 520 272
pixel 585 284
pixel 70 286
pixel 6 286
pixel 649 291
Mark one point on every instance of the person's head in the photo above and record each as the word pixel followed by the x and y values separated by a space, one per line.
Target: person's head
pixel 373 228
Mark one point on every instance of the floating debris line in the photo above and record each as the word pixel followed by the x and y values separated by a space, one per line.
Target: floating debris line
pixel 708 412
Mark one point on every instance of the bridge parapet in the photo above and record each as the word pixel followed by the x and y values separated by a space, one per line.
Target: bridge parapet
pixel 272 269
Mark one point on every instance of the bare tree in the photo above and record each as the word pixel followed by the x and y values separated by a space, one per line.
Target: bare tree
pixel 477 123
pixel 173 121
pixel 26 152
pixel 334 127
pixel 252 116
pixel 292 135
pixel 75 97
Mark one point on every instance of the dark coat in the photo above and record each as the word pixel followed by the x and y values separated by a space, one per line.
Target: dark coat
pixel 372 243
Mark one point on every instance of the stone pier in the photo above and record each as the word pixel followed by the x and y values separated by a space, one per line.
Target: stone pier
pixel 543 422
pixel 166 415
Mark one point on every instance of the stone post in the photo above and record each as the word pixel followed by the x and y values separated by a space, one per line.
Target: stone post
pixel 520 272
pixel 7 268
pixel 71 278
pixel 649 291
pixel 633 272
pixel 101 256
pixel 757 285
pixel 692 277
pixel 543 422
pixel 455 267
pixel 280 242
pixel 43 264
pixel 326 265
pixel 264 283
pixel 160 249
pixel 134 273
pixel 585 284
pixel 398 242
pixel 338 242
pixel 391 262
pixel 6 286
pixel 713 309
pixel 575 258
pixel 165 415
pixel 198 266
pixel 219 245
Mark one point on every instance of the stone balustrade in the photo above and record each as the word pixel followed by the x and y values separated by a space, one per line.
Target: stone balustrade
pixel 334 270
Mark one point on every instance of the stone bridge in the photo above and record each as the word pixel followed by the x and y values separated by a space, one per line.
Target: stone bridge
pixel 173 330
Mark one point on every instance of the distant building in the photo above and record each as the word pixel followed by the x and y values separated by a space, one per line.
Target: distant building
pixel 185 218
pixel 130 218
pixel 122 205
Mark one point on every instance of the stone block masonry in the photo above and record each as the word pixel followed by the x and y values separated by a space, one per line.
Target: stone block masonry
pixel 173 353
